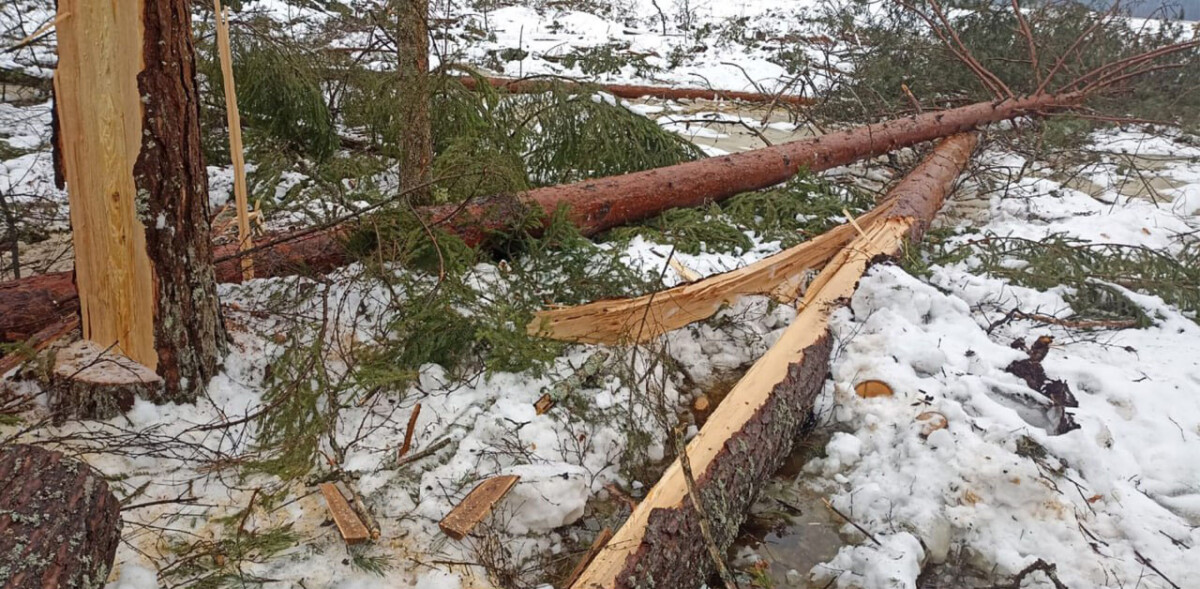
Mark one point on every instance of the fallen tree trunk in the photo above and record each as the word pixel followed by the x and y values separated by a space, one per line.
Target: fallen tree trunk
pixel 60 525
pixel 751 432
pixel 601 204
pixel 533 85
pixel 31 304
pixel 593 205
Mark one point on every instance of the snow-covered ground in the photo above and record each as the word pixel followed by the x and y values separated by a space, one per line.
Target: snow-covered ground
pixel 1115 503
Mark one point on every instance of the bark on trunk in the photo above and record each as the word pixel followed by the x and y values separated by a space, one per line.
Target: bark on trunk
pixel 751 432
pixel 412 66
pixel 59 523
pixel 138 188
pixel 529 85
pixel 598 205
pixel 170 172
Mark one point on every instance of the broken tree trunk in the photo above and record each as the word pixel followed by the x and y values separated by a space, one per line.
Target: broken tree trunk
pixel 751 431
pixel 534 85
pixel 138 187
pixel 594 205
pixel 59 523
pixel 641 319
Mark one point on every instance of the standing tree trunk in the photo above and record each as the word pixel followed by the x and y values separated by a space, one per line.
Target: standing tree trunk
pixel 412 68
pixel 127 106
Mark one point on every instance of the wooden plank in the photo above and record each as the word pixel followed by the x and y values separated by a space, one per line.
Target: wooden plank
pixel 352 528
pixel 750 432
pixel 99 108
pixel 476 506
pixel 236 151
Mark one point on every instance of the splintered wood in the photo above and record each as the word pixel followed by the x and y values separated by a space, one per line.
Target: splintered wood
pixel 236 152
pixel 352 528
pixel 476 506
pixel 100 55
pixel 750 432
pixel 640 319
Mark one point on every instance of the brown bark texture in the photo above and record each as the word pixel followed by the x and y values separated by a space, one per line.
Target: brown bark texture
pixel 171 176
pixel 595 205
pixel 59 522
pixel 412 67
pixel 534 85
pixel 601 204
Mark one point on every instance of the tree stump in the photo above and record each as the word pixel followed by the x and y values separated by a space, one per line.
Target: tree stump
pixel 59 522
pixel 92 382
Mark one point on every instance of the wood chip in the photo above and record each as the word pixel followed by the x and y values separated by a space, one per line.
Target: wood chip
pixel 868 389
pixel 933 421
pixel 701 404
pixel 352 529
pixel 544 404
pixel 476 506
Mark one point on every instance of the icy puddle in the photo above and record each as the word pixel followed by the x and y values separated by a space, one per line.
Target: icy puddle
pixel 790 530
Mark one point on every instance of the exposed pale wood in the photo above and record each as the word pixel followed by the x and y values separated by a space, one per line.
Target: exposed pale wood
pixel 352 528
pixel 749 433
pixel 746 399
pixel 94 382
pixel 643 318
pixel 687 274
pixel 873 388
pixel 544 404
pixel 476 506
pixel 100 116
pixel 236 151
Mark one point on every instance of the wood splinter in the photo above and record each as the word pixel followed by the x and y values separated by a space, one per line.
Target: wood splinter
pixel 476 506
pixel 352 528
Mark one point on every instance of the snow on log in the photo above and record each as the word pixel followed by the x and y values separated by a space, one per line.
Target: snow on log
pixel 594 205
pixel 751 431
pixel 59 523
pixel 534 85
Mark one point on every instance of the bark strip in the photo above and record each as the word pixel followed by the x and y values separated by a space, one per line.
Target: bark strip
pixel 751 432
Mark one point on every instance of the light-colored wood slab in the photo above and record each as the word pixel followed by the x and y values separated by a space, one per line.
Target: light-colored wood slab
pixel 476 506
pixel 352 528
pixel 640 319
pixel 100 120
pixel 236 151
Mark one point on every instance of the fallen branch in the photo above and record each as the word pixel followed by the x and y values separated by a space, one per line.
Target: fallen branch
pixel 534 85
pixel 751 431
